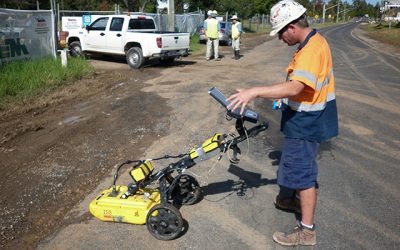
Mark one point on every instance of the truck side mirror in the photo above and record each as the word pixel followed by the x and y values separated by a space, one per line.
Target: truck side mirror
pixel 87 27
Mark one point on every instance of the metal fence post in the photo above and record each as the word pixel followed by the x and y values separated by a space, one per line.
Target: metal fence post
pixel 171 15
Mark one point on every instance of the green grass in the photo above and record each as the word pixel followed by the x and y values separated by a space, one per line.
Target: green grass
pixel 22 79
pixel 196 47
pixel 382 32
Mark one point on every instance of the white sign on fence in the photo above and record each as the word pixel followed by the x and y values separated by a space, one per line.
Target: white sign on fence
pixel 26 34
pixel 74 24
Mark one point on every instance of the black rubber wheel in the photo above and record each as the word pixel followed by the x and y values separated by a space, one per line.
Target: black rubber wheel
pixel 75 49
pixel 186 191
pixel 164 222
pixel 134 57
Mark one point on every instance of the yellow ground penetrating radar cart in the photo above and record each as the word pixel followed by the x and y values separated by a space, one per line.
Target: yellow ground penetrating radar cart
pixel 141 203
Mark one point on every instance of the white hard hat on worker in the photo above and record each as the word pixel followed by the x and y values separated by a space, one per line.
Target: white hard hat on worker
pixel 283 13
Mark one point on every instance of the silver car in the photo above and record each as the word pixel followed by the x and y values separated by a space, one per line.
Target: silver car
pixel 224 34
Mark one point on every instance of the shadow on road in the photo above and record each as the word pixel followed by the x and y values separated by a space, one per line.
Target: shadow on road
pixel 247 181
pixel 155 62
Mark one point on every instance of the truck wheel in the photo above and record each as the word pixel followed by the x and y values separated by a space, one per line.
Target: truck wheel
pixel 75 49
pixel 134 57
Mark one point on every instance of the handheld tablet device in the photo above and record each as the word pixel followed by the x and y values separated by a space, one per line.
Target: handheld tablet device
pixel 248 114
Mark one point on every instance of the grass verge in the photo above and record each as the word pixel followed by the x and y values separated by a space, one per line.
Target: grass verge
pixel 196 48
pixel 255 28
pixel 20 80
pixel 383 32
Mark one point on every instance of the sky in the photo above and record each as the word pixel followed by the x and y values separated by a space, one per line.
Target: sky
pixel 373 2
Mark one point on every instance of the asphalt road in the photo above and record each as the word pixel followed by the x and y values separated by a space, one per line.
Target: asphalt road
pixel 358 182
pixel 359 177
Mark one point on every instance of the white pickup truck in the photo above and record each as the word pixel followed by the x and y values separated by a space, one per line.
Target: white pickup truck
pixel 134 36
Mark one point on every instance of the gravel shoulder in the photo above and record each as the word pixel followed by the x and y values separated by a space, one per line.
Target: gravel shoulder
pixel 57 149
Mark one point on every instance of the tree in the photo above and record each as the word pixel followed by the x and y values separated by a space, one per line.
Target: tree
pixel 23 4
pixel 130 4
pixel 361 8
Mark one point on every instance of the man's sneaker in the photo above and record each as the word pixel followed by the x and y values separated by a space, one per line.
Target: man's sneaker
pixel 289 204
pixel 298 236
pixel 217 59
pixel 207 59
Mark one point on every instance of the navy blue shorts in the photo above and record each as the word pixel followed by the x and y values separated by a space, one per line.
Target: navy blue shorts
pixel 298 168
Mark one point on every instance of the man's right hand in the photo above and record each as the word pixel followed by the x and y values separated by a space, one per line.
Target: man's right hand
pixel 241 98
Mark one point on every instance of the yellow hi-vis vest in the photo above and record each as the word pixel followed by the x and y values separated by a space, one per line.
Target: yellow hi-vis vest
pixel 235 31
pixel 212 28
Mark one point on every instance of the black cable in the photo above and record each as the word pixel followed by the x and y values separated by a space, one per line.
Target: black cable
pixel 119 167
pixel 226 196
pixel 169 157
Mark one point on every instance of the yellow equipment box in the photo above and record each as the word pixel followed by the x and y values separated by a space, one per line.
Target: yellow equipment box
pixel 142 171
pixel 208 149
pixel 111 207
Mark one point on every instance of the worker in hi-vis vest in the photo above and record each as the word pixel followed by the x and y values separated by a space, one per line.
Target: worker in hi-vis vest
pixel 236 34
pixel 211 30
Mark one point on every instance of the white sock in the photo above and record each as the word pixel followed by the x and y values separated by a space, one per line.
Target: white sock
pixel 307 226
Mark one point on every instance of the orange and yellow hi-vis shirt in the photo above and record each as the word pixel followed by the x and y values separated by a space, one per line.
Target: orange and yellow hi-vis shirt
pixel 312 114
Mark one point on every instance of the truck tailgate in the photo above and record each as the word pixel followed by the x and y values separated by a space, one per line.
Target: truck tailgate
pixel 175 41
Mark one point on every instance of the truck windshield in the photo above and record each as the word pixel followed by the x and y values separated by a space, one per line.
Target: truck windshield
pixel 141 24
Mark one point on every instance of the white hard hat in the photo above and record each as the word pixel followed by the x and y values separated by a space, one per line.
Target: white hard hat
pixel 234 17
pixel 283 13
pixel 209 13
pixel 214 13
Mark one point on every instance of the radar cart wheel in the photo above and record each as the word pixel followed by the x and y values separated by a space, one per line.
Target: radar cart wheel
pixel 164 222
pixel 187 190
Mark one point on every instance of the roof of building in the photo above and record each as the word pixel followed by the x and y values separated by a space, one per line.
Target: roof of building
pixel 389 2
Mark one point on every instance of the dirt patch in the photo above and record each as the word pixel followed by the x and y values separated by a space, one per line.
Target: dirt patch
pixel 55 149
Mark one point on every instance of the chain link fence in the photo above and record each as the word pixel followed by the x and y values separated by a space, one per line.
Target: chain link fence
pixel 31 34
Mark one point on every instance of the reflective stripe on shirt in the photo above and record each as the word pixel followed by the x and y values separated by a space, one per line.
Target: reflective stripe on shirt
pixel 313 79
pixel 308 107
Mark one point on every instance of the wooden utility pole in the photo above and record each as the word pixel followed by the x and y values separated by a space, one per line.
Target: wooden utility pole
pixel 344 12
pixel 337 14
